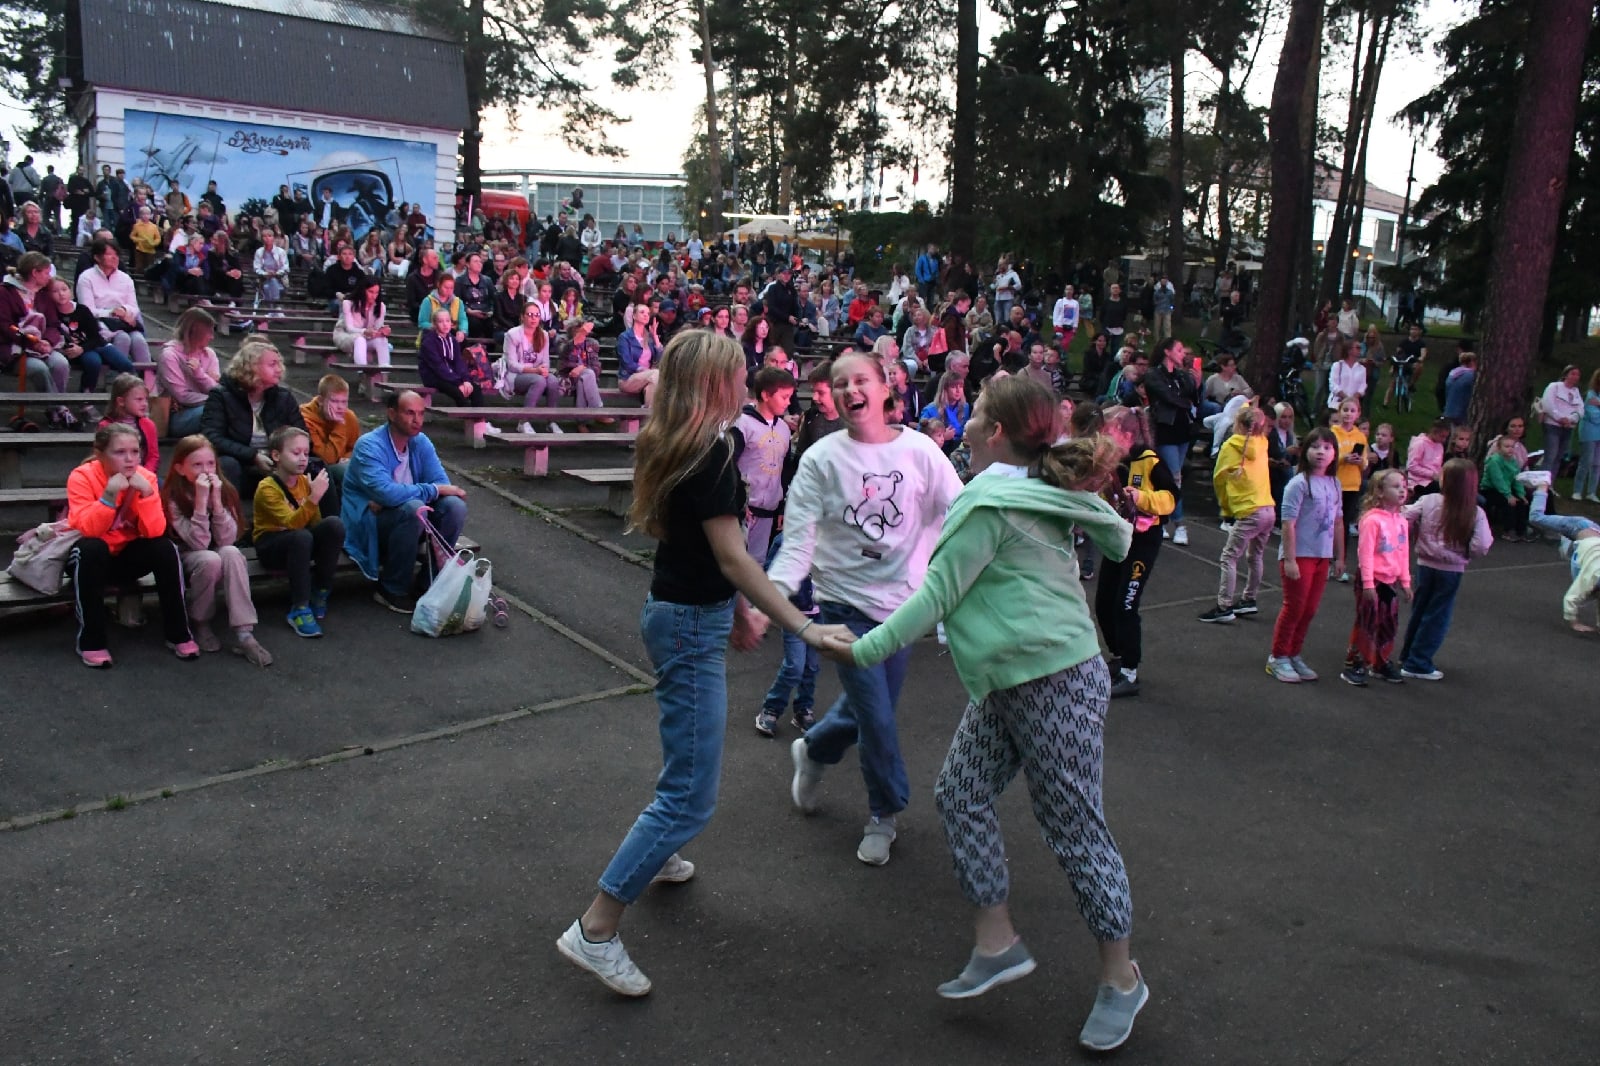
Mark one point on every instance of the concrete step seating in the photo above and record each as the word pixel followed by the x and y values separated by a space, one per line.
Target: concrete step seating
pixel 618 483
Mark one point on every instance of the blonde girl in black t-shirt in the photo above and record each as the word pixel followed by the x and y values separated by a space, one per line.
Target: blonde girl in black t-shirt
pixel 688 495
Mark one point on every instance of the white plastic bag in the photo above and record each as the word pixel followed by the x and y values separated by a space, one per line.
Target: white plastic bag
pixel 458 599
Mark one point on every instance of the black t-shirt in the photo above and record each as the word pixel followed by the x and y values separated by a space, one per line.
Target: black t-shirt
pixel 686 570
pixel 1412 349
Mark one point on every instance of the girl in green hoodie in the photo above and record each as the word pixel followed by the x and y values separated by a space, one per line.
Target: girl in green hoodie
pixel 1004 579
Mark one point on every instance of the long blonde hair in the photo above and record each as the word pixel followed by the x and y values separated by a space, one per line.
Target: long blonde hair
pixel 698 394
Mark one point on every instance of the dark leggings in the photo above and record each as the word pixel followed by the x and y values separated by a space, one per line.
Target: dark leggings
pixel 1503 514
pixel 93 567
pixel 310 556
pixel 453 394
pixel 1116 598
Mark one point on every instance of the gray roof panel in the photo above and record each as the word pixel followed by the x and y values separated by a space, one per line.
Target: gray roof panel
pixel 302 55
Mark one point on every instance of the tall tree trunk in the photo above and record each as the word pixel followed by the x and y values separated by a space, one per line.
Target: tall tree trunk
pixel 1304 272
pixel 963 149
pixel 1333 260
pixel 1175 169
pixel 1224 177
pixel 1369 105
pixel 1357 219
pixel 708 63
pixel 1288 159
pixel 472 136
pixel 1530 209
pixel 790 106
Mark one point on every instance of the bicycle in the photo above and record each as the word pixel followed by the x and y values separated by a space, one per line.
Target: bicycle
pixel 1402 382
pixel 1291 386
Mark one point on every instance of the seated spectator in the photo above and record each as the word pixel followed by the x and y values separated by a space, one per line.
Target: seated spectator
pixel 129 405
pixel 272 267
pixel 112 503
pixel 422 281
pixel 1225 384
pixel 950 408
pixel 443 303
pixel 638 352
pixel 580 367
pixel 394 473
pixel 979 321
pixel 332 425
pixel 360 331
pixel 108 292
pixel 476 290
pixel 868 332
pixel 860 307
pixel 756 339
pixel 529 370
pixel 243 410
pixel 32 232
pixel 227 276
pixel 399 255
pixel 508 303
pixel 372 255
pixel 27 332
pixel 291 532
pixel 342 276
pixel 188 370
pixel 88 222
pixel 84 341
pixel 1516 428
pixel 445 365
pixel 304 246
pixel 189 272
pixel 569 304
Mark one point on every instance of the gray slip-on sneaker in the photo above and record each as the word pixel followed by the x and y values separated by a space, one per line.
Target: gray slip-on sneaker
pixel 807 777
pixel 875 841
pixel 1111 1022
pixel 984 972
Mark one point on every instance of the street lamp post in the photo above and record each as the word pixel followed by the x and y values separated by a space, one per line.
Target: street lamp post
pixel 838 214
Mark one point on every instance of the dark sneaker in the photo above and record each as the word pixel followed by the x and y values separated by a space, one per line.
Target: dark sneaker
pixel 1218 614
pixel 1354 675
pixel 1111 1022
pixel 803 720
pixel 1390 673
pixel 1246 607
pixel 984 972
pixel 319 603
pixel 1086 574
pixel 397 604
pixel 1123 686
pixel 767 723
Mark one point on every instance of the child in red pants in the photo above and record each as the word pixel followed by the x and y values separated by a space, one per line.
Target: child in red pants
pixel 1313 534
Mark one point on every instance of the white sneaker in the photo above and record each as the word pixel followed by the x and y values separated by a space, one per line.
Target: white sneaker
pixel 675 871
pixel 1536 479
pixel 608 961
pixel 524 427
pixel 1166 532
pixel 807 777
pixel 492 430
pixel 1180 535
pixel 555 427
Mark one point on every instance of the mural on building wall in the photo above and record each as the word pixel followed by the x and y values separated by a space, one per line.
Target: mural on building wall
pixel 368 176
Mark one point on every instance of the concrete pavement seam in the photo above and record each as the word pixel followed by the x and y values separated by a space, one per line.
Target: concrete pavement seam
pixel 121 802
pixel 577 638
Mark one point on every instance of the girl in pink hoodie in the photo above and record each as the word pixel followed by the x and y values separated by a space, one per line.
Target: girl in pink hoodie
pixel 1384 555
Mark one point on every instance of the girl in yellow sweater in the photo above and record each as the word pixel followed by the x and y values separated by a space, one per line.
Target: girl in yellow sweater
pixel 290 532
pixel 1243 485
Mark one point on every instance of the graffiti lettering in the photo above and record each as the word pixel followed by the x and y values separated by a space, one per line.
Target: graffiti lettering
pixel 252 143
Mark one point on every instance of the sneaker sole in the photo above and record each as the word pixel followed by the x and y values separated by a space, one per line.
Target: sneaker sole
pixel 1421 677
pixel 381 602
pixel 1291 679
pixel 1144 998
pixel 583 964
pixel 1226 619
pixel 1245 611
pixel 1004 977
pixel 1362 683
pixel 872 860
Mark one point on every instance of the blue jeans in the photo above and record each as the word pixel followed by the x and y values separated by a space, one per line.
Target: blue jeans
pixel 399 529
pixel 1556 441
pixel 1563 525
pixel 1433 603
pixel 93 359
pixel 688 646
pixel 864 714
pixel 797 676
pixel 184 421
pixel 1173 456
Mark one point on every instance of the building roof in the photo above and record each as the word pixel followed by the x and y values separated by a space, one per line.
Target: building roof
pixel 1329 180
pixel 334 58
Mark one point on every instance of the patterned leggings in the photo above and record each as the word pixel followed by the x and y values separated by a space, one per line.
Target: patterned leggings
pixel 1372 636
pixel 1051 729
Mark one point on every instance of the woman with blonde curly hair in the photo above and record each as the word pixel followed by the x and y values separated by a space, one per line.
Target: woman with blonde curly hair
pixel 243 410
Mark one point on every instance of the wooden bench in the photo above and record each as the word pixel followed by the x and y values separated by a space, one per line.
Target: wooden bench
pixel 618 482
pixel 39 399
pixel 475 419
pixel 536 446
pixel 373 375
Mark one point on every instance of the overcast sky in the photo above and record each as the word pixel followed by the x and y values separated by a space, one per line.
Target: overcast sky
pixel 659 131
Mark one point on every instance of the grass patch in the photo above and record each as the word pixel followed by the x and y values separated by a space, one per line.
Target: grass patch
pixel 116 803
pixel 69 814
pixel 166 793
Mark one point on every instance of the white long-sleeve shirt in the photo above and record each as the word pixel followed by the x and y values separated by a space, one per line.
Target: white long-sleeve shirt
pixel 1561 404
pixel 1346 382
pixel 862 520
pixel 1065 315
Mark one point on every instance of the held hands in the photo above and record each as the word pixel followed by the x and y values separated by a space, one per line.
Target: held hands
pixel 836 641
pixel 319 486
pixel 137 482
pixel 749 625
pixel 115 484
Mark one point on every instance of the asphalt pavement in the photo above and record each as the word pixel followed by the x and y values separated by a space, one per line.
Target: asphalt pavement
pixel 365 853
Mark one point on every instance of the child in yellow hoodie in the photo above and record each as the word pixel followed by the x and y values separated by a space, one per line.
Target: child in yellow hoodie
pixel 146 238
pixel 290 532
pixel 1243 485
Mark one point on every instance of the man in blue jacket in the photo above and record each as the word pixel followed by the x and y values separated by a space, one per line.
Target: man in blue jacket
pixel 394 473
pixel 927 268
